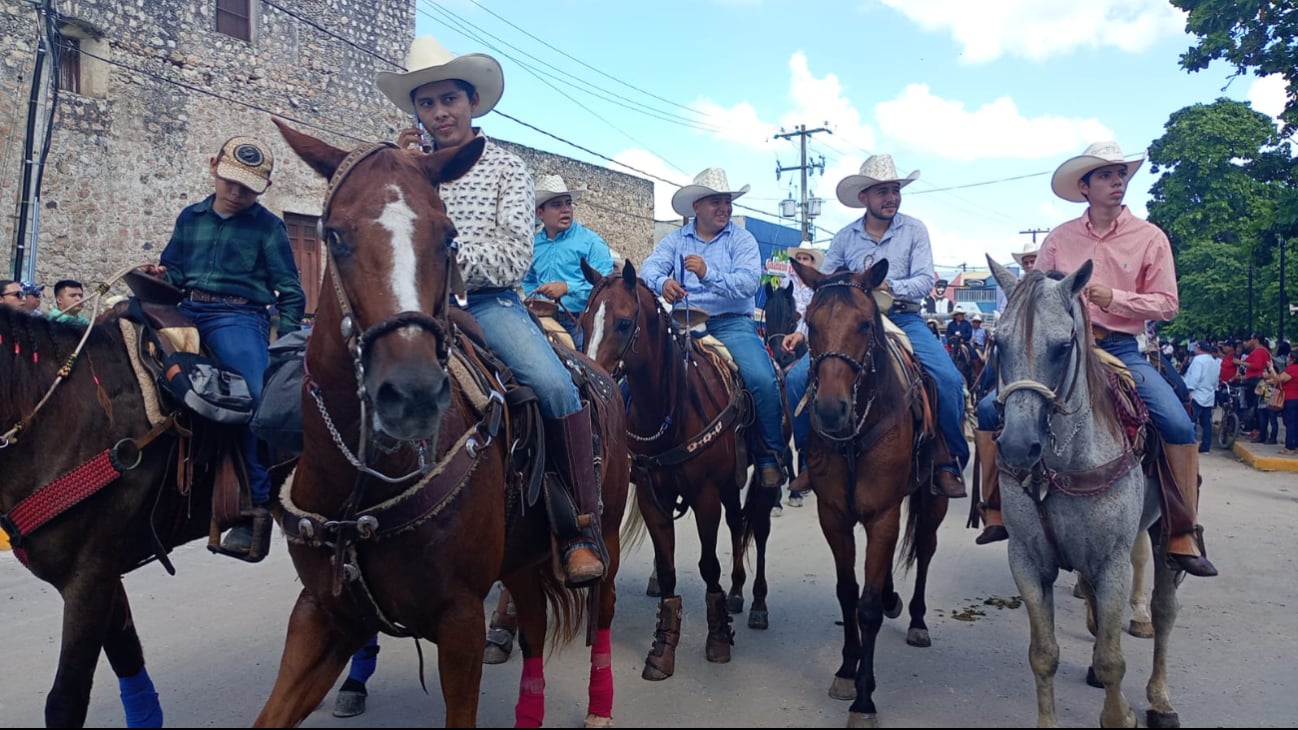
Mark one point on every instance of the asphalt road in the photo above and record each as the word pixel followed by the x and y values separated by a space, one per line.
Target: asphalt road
pixel 213 634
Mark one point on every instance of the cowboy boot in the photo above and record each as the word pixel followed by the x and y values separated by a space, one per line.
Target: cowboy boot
pixel 947 480
pixel 661 662
pixel 575 516
pixel 721 636
pixel 1180 510
pixel 994 527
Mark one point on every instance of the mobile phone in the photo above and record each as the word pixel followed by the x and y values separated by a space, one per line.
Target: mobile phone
pixel 423 137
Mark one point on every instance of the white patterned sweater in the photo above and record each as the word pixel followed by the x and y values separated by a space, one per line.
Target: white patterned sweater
pixel 493 208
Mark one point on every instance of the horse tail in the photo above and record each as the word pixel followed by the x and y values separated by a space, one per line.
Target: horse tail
pixel 567 607
pixel 634 530
pixel 919 505
pixel 754 501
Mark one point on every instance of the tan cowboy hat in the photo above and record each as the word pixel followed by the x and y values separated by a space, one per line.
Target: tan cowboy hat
pixel 1098 155
pixel 1029 249
pixel 711 181
pixel 552 186
pixel 429 61
pixel 876 169
pixel 697 318
pixel 817 256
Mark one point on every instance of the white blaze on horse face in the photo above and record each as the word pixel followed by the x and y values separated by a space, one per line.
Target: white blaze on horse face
pixel 399 220
pixel 596 337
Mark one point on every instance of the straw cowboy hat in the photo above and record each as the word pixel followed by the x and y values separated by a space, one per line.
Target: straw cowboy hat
pixel 1098 155
pixel 876 169
pixel 553 186
pixel 976 318
pixel 711 181
pixel 429 61
pixel 817 256
pixel 1029 249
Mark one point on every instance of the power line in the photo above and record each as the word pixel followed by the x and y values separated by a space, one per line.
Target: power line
pixel 980 184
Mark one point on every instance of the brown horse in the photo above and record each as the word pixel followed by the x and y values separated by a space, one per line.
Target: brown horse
pixel 407 535
pixel 683 424
pixel 865 460
pixel 96 424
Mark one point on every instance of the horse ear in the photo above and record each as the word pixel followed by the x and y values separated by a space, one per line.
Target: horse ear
pixel 322 157
pixel 628 274
pixel 788 286
pixel 593 276
pixel 1075 282
pixel 810 275
pixel 878 273
pixel 1004 277
pixel 453 162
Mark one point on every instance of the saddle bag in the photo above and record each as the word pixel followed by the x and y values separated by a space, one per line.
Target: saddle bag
pixel 278 420
pixel 208 388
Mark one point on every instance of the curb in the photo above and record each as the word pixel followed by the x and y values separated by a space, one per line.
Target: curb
pixel 1265 462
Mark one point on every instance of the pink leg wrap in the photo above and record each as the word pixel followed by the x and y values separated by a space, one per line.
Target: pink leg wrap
pixel 530 710
pixel 601 675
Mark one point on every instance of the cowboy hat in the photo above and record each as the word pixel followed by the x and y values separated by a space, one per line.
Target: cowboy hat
pixel 976 318
pixel 817 256
pixel 876 169
pixel 711 181
pixel 1099 154
pixel 429 62
pixel 553 186
pixel 1029 249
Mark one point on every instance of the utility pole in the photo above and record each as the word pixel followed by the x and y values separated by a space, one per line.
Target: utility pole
pixel 804 133
pixel 1034 231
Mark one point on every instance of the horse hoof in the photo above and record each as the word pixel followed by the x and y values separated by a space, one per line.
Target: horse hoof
pixel 843 688
pixel 1154 718
pixel 718 652
pixel 349 704
pixel 593 720
pixel 655 674
pixel 500 644
pixel 735 603
pixel 892 605
pixel 862 719
pixel 1093 680
pixel 758 620
pixel 1141 629
pixel 651 589
pixel 918 637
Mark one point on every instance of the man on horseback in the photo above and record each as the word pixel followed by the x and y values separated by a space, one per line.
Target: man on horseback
pixel 958 327
pixel 560 245
pixel 713 265
pixel 493 208
pixel 884 233
pixel 1134 280
pixel 978 335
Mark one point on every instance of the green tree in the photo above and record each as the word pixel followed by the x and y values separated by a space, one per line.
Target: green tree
pixel 1256 36
pixel 1223 170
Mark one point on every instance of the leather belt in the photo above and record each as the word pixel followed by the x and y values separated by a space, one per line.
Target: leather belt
pixel 904 307
pixel 1103 335
pixel 207 297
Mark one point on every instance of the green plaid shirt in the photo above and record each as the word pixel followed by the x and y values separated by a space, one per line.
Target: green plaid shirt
pixel 245 255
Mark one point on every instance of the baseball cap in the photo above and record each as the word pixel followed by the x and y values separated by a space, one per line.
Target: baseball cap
pixel 247 161
pixel 32 288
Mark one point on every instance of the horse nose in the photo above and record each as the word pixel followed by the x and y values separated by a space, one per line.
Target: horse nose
pixel 410 405
pixel 1020 448
pixel 832 415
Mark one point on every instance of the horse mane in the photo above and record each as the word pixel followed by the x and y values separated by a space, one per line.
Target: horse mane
pixel 31 351
pixel 1097 375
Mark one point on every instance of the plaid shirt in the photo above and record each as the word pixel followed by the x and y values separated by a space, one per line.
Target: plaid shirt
pixel 245 255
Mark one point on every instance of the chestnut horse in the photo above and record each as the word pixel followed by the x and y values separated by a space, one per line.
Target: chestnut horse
pixel 684 428
pixel 408 502
pixel 96 424
pixel 865 460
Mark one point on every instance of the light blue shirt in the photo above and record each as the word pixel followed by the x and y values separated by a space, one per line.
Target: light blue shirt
pixel 906 247
pixel 1201 379
pixel 559 259
pixel 734 268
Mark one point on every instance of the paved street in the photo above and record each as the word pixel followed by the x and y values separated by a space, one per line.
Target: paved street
pixel 212 636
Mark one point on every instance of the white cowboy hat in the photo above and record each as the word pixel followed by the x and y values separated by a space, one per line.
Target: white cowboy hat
pixel 552 186
pixel 711 181
pixel 1098 155
pixel 1029 249
pixel 429 61
pixel 976 318
pixel 876 169
pixel 817 256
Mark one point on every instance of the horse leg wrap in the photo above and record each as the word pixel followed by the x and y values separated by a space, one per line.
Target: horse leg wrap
pixel 140 700
pixel 661 662
pixel 530 710
pixel 721 635
pixel 365 661
pixel 601 675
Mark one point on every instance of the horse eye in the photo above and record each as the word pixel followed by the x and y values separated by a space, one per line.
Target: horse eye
pixel 623 324
pixel 337 245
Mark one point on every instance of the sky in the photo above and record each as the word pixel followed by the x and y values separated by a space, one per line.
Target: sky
pixel 970 94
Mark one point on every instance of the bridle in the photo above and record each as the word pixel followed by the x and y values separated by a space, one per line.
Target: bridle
pixel 619 365
pixel 359 342
pixel 858 368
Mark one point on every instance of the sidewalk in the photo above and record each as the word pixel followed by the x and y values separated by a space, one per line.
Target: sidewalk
pixel 1264 457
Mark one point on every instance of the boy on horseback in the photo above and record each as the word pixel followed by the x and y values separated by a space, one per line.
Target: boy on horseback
pixel 884 233
pixel 714 265
pixel 1134 280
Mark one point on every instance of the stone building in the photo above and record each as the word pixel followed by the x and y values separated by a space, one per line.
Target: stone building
pixel 150 88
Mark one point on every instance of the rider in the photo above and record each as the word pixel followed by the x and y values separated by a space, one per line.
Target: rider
pixel 714 265
pixel 1134 280
pixel 884 233
pixel 807 256
pixel 978 335
pixel 958 326
pixel 560 245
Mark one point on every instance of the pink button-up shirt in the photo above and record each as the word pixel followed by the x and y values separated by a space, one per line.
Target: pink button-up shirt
pixel 1133 258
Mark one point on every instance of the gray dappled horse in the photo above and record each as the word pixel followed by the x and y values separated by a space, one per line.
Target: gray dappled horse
pixel 1061 430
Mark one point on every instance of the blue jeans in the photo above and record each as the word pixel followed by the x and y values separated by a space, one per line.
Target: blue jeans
pixel 936 361
pixel 1291 424
pixel 1164 407
pixel 1270 429
pixel 238 335
pixel 739 335
pixel 1203 415
pixel 989 418
pixel 516 340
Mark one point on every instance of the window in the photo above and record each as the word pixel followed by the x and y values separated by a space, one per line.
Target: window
pixel 234 18
pixel 69 64
pixel 306 253
pixel 964 294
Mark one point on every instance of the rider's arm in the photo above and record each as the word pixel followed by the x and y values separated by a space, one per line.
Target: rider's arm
pixel 744 275
pixel 659 266
pixel 1157 296
pixel 915 284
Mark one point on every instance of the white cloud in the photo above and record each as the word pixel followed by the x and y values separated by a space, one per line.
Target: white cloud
pixel 1268 95
pixel 1039 29
pixel 945 128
